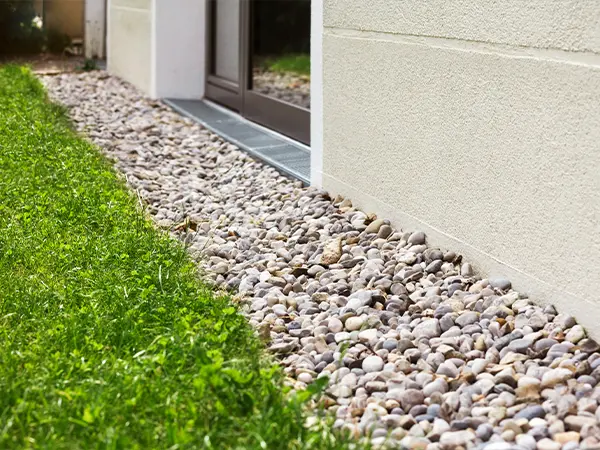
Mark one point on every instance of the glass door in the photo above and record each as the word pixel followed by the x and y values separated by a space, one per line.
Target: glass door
pixel 278 89
pixel 269 82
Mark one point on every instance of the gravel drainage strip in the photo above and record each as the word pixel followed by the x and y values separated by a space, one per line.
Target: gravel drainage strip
pixel 421 352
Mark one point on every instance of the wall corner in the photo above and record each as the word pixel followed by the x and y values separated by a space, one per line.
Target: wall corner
pixel 316 93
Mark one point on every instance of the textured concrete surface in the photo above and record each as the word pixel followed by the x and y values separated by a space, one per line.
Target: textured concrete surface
pixel 491 149
pixel 129 41
pixel 179 55
pixel 159 46
pixel 560 24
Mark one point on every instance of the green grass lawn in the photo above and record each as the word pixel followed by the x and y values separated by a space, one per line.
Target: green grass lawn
pixel 298 64
pixel 107 337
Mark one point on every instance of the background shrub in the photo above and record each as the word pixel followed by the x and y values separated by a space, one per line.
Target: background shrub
pixel 56 42
pixel 18 34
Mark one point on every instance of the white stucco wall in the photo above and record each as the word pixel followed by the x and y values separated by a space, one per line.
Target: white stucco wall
pixel 316 92
pixel 478 123
pixel 129 41
pixel 563 24
pixel 179 34
pixel 159 45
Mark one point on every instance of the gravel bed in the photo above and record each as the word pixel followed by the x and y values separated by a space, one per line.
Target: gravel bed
pixel 419 350
pixel 290 88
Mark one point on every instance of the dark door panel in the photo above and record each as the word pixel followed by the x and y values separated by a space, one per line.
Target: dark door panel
pixel 275 114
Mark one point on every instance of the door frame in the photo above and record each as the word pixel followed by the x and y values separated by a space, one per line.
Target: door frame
pixel 280 116
pixel 219 89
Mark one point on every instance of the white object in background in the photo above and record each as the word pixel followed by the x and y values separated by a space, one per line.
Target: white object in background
pixel 95 32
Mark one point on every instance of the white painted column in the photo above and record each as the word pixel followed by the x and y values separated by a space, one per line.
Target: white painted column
pixel 108 30
pixel 316 93
pixel 95 33
pixel 178 60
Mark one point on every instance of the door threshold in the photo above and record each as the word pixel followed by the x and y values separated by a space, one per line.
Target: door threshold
pixel 285 154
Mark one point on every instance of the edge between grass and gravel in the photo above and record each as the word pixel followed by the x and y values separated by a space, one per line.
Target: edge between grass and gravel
pixel 108 338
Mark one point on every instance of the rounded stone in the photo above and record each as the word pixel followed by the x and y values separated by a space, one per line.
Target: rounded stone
pixel 500 283
pixel 417 238
pixel 530 412
pixel 526 441
pixel 335 325
pixel 354 323
pixel 548 444
pixel 372 364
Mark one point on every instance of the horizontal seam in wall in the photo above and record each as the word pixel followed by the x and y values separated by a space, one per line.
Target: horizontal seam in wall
pixel 587 58
pixel 454 238
pixel 130 8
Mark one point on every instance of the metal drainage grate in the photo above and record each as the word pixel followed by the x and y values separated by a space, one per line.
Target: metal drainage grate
pixel 282 153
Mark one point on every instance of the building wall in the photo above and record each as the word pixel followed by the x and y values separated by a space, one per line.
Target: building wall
pixel 64 16
pixel 179 49
pixel 95 29
pixel 479 124
pixel 129 39
pixel 158 45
